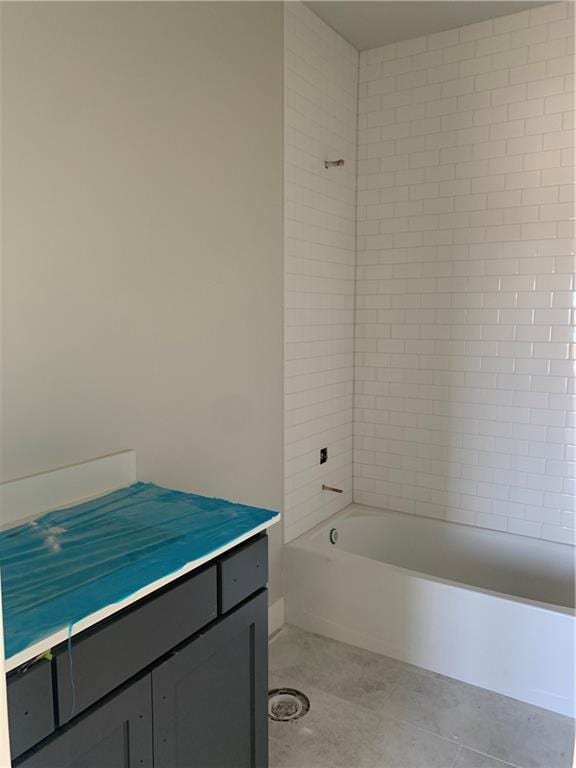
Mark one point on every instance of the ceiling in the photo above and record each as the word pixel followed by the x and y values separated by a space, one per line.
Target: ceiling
pixel 379 22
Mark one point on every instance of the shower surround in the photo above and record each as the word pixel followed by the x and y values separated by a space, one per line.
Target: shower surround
pixel 321 84
pixel 464 273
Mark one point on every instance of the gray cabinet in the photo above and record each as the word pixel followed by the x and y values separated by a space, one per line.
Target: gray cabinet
pixel 196 654
pixel 210 698
pixel 115 734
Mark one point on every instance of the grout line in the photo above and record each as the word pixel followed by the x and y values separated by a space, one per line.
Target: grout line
pixel 492 757
pixel 356 297
pixel 456 756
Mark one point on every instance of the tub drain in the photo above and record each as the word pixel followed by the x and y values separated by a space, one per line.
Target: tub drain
pixel 287 704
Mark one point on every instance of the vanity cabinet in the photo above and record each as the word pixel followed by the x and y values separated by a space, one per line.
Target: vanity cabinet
pixel 178 680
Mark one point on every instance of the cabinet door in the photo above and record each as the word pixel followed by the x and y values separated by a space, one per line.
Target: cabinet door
pixel 210 698
pixel 115 734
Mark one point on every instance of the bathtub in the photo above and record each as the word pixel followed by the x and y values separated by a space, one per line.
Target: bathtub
pixel 488 608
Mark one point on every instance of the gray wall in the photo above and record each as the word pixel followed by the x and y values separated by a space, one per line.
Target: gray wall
pixel 142 242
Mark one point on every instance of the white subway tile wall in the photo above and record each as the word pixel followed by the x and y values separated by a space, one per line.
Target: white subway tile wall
pixel 321 86
pixel 464 397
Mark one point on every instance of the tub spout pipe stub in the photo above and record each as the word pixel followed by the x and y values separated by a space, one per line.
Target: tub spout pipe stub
pixel 331 488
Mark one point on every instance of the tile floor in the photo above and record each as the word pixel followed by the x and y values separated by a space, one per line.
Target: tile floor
pixel 370 711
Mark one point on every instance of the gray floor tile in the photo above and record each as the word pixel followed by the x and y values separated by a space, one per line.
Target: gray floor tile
pixel 470 759
pixel 338 734
pixel 369 711
pixel 495 725
pixel 401 746
pixel 353 674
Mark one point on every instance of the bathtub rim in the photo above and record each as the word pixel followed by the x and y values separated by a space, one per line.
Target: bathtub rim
pixel 307 541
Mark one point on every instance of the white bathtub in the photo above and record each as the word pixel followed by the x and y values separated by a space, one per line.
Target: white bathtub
pixel 488 608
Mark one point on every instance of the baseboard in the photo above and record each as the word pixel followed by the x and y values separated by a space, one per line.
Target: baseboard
pixel 275 616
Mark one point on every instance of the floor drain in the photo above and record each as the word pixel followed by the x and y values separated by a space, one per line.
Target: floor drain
pixel 287 704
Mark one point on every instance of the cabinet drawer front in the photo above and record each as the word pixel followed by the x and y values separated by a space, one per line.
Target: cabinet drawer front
pixel 243 572
pixel 115 734
pixel 30 706
pixel 111 653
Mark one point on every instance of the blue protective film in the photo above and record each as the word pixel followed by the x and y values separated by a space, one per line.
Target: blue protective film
pixel 69 563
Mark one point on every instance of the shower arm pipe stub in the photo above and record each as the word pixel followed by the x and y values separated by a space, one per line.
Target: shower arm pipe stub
pixel 331 488
pixel 333 163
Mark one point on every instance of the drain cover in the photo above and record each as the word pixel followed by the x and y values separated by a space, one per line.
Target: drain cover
pixel 287 704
